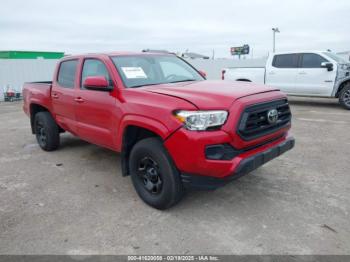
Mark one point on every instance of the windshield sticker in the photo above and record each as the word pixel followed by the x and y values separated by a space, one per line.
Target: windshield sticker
pixel 134 72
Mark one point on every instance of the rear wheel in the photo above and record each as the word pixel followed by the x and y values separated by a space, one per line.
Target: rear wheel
pixel 344 97
pixel 154 176
pixel 46 131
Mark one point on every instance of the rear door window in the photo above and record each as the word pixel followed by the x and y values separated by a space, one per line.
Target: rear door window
pixel 285 61
pixel 67 73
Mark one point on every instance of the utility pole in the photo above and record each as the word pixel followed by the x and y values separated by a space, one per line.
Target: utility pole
pixel 274 31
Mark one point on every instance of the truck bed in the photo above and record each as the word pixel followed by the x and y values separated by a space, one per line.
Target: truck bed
pixel 36 92
pixel 251 74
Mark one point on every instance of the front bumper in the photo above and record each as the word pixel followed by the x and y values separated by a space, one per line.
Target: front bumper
pixel 246 166
pixel 211 174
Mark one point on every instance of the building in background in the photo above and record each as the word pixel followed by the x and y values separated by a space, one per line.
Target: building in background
pixel 17 67
pixel 30 55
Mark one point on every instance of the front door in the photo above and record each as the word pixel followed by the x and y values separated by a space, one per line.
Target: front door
pixel 312 79
pixel 95 109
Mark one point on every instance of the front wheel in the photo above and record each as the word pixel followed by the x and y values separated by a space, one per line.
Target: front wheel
pixel 153 174
pixel 344 97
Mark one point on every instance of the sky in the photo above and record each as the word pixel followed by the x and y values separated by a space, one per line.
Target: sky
pixel 79 26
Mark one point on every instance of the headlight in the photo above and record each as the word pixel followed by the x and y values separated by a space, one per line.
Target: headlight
pixel 201 120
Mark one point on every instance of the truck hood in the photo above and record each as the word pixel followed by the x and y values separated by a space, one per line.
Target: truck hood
pixel 210 94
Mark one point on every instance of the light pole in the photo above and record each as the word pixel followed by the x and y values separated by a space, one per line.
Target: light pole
pixel 275 30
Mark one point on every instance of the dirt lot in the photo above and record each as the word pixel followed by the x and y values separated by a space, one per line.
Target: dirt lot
pixel 75 201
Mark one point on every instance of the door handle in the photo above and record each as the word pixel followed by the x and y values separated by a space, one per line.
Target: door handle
pixel 271 73
pixel 55 96
pixel 302 73
pixel 79 100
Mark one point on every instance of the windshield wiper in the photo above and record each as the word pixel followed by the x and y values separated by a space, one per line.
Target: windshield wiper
pixel 184 80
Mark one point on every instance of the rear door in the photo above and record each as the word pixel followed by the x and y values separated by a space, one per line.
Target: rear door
pixel 312 79
pixel 96 109
pixel 283 72
pixel 63 94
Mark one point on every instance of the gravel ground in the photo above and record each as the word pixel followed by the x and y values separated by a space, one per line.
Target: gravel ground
pixel 75 201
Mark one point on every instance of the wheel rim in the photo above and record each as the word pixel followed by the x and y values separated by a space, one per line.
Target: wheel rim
pixel 346 97
pixel 41 134
pixel 149 175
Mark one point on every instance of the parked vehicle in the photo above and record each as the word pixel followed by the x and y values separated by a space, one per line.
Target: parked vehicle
pixel 174 129
pixel 320 74
pixel 11 95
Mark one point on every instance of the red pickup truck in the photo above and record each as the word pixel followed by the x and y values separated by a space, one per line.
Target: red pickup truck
pixel 174 128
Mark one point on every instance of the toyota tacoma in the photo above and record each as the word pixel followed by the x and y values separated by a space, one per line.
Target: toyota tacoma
pixel 174 129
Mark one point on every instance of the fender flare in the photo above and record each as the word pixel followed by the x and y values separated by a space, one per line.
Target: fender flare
pixel 151 124
pixel 37 102
pixel 338 84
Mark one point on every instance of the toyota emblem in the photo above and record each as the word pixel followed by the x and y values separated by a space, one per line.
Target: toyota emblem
pixel 272 116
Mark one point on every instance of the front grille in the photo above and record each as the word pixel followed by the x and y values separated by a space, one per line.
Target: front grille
pixel 254 122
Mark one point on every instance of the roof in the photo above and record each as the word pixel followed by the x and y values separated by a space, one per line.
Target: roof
pixel 151 52
pixel 195 55
pixel 156 51
pixel 12 54
pixel 119 53
pixel 299 51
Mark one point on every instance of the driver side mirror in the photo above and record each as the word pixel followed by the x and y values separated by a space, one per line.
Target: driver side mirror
pixel 97 83
pixel 202 73
pixel 327 65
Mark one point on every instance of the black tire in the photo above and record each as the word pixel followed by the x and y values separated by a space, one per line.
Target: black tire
pixel 154 175
pixel 46 131
pixel 344 96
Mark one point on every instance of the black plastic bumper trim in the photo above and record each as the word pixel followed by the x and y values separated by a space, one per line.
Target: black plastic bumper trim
pixel 245 166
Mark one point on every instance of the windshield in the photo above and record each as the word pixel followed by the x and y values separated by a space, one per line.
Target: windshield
pixel 335 57
pixel 143 70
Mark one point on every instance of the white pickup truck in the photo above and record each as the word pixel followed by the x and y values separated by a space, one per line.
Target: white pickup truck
pixel 315 73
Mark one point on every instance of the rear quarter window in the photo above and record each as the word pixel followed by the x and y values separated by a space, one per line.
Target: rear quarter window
pixel 67 73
